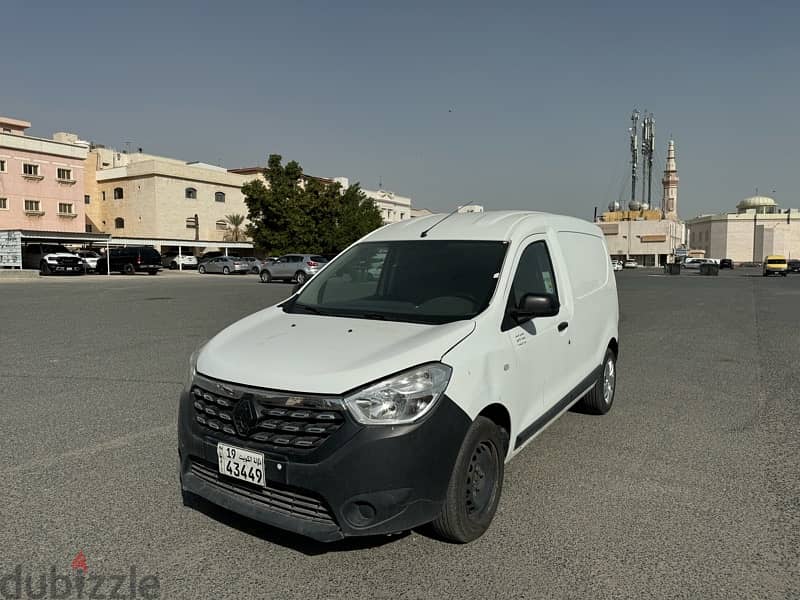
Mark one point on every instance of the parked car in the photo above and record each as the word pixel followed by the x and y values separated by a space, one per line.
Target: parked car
pixel 693 263
pixel 130 260
pixel 206 256
pixel 225 265
pixel 630 264
pixel 726 263
pixel 89 258
pixel 255 264
pixel 52 259
pixel 407 398
pixel 173 260
pixel 775 264
pixel 292 267
pixel 793 265
pixel 616 265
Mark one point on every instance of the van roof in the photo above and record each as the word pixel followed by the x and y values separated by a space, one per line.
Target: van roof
pixel 488 225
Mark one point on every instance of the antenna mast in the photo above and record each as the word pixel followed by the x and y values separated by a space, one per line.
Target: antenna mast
pixel 648 148
pixel 633 205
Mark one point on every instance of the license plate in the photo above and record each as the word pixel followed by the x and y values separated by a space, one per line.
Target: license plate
pixel 241 464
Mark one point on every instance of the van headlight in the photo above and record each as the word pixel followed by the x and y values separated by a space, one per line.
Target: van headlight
pixel 402 398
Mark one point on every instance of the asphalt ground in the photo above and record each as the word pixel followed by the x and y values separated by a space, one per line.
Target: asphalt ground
pixel 688 488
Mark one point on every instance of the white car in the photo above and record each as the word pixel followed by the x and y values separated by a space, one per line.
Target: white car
pixel 395 400
pixel 630 264
pixel 173 260
pixel 694 263
pixel 89 258
pixel 616 265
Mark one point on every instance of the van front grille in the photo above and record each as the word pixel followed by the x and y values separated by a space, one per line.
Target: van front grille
pixel 276 419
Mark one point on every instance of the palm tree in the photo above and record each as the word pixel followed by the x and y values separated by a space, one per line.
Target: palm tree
pixel 235 226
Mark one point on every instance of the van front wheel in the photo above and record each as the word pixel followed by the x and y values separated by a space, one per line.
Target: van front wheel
pixel 475 485
pixel 601 396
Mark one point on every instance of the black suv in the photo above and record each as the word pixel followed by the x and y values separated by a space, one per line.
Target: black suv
pixel 725 263
pixel 132 260
pixel 51 259
pixel 793 265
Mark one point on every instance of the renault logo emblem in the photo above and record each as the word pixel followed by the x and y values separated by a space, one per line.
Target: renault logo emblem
pixel 245 417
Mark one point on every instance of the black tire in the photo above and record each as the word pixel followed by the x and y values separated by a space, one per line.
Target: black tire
pixel 226 271
pixel 173 265
pixel 599 400
pixel 44 269
pixel 783 274
pixel 265 276
pixel 201 269
pixel 151 272
pixel 129 269
pixel 300 277
pixel 475 485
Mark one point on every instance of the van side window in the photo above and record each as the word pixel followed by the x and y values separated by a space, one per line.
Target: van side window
pixel 535 275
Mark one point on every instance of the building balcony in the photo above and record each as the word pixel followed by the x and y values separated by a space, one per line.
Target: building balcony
pixel 34 213
pixel 33 177
pixel 67 215
pixel 67 181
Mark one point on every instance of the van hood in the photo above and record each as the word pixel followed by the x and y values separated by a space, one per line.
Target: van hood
pixel 319 354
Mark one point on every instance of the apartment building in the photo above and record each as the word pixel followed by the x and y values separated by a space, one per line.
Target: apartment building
pixel 41 180
pixel 142 198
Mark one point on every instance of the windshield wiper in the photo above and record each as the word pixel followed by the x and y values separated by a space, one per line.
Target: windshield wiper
pixel 309 309
pixel 370 315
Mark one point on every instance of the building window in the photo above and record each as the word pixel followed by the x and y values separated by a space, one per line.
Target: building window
pixel 65 208
pixel 104 194
pixel 402 216
pixel 222 225
pixel 118 193
pixel 88 228
pixel 33 206
pixel 87 199
pixel 119 223
pixel 30 169
pixel 219 197
pixel 6 130
pixel 2 166
pixel 64 174
pixel 191 193
pixel 3 203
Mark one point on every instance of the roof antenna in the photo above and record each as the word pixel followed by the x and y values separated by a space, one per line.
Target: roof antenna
pixel 447 216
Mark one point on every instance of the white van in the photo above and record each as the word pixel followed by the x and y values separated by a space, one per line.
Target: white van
pixel 390 390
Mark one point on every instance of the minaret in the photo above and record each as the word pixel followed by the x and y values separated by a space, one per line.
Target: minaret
pixel 669 202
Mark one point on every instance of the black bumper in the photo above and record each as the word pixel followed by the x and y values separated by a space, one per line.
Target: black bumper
pixel 382 479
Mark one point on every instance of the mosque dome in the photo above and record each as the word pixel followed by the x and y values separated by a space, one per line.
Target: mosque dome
pixel 760 203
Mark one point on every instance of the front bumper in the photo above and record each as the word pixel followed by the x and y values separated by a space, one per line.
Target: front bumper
pixel 379 480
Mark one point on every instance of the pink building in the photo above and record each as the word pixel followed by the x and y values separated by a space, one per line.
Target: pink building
pixel 41 181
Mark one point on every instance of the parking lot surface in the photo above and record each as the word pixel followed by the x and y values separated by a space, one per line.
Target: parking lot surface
pixel 688 488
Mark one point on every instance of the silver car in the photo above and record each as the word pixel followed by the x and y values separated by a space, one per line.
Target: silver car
pixel 292 267
pixel 225 265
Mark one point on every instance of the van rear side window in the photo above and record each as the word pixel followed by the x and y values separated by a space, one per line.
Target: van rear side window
pixel 587 261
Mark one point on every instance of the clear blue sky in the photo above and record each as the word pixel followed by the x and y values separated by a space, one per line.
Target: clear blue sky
pixel 540 92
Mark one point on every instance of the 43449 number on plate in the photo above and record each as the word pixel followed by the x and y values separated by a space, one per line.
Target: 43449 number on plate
pixel 241 464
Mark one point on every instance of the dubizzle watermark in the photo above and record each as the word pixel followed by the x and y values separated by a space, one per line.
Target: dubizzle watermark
pixel 79 583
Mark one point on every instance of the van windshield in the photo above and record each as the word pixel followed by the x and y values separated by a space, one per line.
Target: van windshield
pixel 418 281
pixel 776 261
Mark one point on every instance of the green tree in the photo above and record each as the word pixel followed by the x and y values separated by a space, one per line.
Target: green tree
pixel 295 213
pixel 235 226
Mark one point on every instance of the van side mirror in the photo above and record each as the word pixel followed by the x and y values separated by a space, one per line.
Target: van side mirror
pixel 535 305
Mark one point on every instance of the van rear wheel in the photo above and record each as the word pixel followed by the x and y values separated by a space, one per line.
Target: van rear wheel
pixel 601 396
pixel 475 484
pixel 128 269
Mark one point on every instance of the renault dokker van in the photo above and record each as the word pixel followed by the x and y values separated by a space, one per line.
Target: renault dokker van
pixel 432 351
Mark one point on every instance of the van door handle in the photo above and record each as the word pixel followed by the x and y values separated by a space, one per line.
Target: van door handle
pixel 563 325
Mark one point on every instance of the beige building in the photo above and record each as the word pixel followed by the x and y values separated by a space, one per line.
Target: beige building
pixel 759 227
pixel 147 199
pixel 648 236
